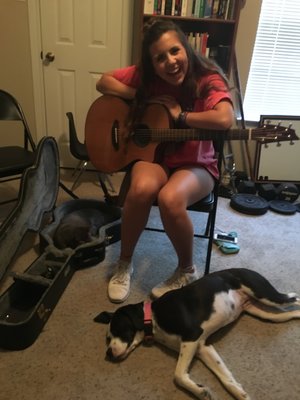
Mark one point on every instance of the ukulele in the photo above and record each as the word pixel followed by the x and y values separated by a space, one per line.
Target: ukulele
pixel 112 145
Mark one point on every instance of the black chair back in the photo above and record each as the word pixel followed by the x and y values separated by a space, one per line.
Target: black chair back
pixel 10 110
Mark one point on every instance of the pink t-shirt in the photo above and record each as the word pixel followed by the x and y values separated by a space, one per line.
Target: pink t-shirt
pixel 192 152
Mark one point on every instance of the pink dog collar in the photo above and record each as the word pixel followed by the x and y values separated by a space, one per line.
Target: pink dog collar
pixel 148 331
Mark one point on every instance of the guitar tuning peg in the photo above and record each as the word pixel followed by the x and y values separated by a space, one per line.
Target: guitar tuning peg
pixel 278 125
pixel 287 131
pixel 278 144
pixel 266 145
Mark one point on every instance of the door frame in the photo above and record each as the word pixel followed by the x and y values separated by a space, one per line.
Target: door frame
pixel 37 68
pixel 34 20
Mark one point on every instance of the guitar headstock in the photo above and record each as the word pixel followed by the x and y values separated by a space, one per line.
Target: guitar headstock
pixel 268 133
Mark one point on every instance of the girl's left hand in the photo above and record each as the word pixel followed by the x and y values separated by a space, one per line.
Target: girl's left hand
pixel 171 104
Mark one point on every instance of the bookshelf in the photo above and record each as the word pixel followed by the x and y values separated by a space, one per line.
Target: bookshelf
pixel 211 25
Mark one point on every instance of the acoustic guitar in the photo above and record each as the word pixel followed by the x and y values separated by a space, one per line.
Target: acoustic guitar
pixel 112 146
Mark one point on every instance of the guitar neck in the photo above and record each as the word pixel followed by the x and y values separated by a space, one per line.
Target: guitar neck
pixel 179 135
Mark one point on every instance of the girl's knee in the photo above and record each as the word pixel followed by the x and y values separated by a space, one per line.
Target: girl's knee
pixel 142 191
pixel 170 202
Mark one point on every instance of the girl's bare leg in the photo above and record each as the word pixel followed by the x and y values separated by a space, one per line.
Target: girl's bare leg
pixel 147 179
pixel 184 187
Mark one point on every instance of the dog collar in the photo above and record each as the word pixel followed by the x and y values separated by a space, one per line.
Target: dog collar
pixel 148 327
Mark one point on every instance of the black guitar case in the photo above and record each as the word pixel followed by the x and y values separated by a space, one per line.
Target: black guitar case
pixel 28 303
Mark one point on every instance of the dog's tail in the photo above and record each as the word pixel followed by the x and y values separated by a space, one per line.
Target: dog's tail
pixel 258 287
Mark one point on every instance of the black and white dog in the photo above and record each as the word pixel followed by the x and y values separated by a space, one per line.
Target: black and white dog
pixel 183 319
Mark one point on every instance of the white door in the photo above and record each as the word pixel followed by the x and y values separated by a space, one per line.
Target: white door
pixel 80 40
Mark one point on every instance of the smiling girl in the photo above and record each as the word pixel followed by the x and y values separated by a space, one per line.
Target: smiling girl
pixel 196 94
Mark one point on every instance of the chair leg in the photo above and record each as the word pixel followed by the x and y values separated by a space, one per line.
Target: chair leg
pixel 208 256
pixel 82 169
pixel 210 233
pixel 70 193
pixel 104 177
pixel 79 166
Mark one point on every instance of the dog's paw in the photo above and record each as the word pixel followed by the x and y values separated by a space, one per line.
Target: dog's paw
pixel 295 297
pixel 205 393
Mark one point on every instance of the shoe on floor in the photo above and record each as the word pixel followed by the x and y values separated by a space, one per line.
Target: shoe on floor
pixel 119 284
pixel 176 281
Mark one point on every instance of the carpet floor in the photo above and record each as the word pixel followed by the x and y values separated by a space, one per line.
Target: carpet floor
pixel 67 361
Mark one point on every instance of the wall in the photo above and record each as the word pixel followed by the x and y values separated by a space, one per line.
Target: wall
pixel 246 38
pixel 15 66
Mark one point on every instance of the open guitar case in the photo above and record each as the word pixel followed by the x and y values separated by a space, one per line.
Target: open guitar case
pixel 28 302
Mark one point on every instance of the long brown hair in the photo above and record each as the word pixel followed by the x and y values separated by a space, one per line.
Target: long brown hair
pixel 198 66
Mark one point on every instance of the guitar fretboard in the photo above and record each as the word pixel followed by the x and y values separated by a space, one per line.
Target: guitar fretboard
pixel 178 135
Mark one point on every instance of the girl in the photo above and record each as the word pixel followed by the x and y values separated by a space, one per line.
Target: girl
pixel 196 95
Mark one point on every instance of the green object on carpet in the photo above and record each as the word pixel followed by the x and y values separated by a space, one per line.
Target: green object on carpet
pixel 226 247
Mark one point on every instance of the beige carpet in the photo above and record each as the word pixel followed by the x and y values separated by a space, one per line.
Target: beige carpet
pixel 67 360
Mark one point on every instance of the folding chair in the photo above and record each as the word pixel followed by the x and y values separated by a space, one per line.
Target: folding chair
pixel 15 158
pixel 79 151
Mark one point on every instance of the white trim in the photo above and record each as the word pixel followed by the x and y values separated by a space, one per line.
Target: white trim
pixel 37 68
pixel 126 40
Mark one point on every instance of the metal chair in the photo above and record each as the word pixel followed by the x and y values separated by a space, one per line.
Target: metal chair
pixel 79 151
pixel 14 158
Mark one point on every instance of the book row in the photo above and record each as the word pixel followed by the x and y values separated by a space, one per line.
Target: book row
pixel 220 9
pixel 220 53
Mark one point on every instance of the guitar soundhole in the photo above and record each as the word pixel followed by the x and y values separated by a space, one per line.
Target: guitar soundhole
pixel 141 135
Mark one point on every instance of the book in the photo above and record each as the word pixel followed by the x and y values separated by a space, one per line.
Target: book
pixel 168 7
pixel 177 8
pixel 197 42
pixel 215 8
pixel 201 9
pixel 231 10
pixel 184 5
pixel 157 7
pixel 208 8
pixel 221 56
pixel 197 9
pixel 222 9
pixel 189 8
pixel 148 6
pixel 204 43
pixel 173 7
pixel 192 40
pixel 227 9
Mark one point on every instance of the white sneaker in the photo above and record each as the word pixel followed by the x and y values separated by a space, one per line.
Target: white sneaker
pixel 119 284
pixel 176 281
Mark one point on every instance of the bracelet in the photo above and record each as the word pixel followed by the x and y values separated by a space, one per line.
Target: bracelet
pixel 180 121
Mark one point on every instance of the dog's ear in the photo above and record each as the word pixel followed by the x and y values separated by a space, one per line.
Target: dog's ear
pixel 104 317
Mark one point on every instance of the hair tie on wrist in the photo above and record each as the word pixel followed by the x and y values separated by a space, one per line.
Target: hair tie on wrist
pixel 180 121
